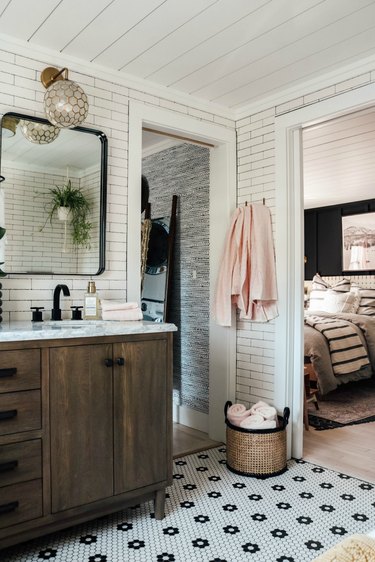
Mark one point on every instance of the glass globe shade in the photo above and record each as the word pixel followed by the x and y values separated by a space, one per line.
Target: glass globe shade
pixel 65 104
pixel 38 133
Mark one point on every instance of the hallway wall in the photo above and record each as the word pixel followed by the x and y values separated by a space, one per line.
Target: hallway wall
pixel 184 170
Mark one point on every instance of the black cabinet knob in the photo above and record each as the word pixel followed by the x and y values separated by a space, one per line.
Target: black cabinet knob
pixel 120 361
pixel 108 362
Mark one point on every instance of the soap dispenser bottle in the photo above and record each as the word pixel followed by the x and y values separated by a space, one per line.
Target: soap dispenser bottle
pixel 91 305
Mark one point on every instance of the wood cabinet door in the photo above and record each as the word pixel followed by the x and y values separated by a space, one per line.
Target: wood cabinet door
pixel 140 414
pixel 81 425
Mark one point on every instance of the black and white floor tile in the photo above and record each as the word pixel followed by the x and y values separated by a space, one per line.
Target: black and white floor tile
pixel 213 515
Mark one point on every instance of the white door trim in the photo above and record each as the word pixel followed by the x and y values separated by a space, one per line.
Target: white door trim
pixel 222 341
pixel 289 249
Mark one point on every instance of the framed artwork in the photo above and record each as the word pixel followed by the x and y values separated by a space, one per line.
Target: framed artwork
pixel 358 242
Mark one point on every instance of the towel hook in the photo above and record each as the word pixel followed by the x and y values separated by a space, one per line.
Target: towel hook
pixel 264 201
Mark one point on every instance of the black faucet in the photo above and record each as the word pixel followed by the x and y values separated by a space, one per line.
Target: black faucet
pixel 56 311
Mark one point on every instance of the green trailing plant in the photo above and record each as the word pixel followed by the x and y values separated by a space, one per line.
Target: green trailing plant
pixel 2 234
pixel 72 198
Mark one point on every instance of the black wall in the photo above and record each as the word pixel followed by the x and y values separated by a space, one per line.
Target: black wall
pixel 323 237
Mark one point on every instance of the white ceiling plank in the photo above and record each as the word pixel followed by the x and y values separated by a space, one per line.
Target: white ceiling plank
pixel 152 29
pixel 254 25
pixel 332 136
pixel 208 23
pixel 55 35
pixel 338 161
pixel 3 5
pixel 21 19
pixel 257 57
pixel 116 20
pixel 309 66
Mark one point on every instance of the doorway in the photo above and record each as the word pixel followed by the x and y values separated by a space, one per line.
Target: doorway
pixel 221 350
pixel 290 250
pixel 338 173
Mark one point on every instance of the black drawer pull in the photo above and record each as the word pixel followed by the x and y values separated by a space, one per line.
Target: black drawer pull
pixel 8 507
pixel 8 414
pixel 108 363
pixel 7 372
pixel 7 466
pixel 120 361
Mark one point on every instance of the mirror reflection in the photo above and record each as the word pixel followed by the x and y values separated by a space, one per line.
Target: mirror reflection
pixel 45 171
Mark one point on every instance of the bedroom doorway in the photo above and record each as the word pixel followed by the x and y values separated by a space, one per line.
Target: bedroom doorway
pixel 290 247
pixel 338 171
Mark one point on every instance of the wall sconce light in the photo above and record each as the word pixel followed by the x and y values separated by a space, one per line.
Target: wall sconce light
pixel 65 102
pixel 38 133
pixel 8 127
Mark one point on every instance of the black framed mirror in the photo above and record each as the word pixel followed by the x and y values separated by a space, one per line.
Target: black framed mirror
pixel 36 161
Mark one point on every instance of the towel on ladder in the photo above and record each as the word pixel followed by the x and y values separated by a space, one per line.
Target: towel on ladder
pixel 348 353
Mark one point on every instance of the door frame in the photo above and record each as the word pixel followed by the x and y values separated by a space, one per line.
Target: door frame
pixel 222 340
pixel 289 248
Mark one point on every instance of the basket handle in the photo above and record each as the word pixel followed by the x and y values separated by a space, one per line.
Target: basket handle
pixel 286 414
pixel 228 404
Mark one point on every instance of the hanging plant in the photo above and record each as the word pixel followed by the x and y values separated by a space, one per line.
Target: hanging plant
pixel 77 209
pixel 2 234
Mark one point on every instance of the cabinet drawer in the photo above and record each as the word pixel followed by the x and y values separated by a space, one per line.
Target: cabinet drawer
pixel 20 462
pixel 20 502
pixel 20 411
pixel 19 370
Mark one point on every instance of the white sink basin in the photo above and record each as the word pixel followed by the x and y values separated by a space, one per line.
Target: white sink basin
pixel 73 323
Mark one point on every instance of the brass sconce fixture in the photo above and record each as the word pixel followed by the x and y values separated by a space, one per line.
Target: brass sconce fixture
pixel 65 102
pixel 8 126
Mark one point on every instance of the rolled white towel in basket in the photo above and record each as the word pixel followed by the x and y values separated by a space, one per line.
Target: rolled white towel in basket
pixel 268 412
pixel 236 413
pixel 257 421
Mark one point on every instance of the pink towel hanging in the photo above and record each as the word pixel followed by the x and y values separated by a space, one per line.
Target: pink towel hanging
pixel 247 276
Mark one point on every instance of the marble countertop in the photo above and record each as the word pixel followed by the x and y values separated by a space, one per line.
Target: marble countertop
pixel 23 331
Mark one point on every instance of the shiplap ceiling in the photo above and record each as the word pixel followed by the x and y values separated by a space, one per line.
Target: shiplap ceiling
pixel 230 52
pixel 339 160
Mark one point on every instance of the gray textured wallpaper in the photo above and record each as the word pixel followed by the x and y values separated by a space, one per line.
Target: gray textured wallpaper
pixel 184 170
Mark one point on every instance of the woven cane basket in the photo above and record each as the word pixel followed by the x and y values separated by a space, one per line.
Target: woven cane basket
pixel 260 453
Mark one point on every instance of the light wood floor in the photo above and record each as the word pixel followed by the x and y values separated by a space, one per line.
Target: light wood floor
pixel 187 440
pixel 350 449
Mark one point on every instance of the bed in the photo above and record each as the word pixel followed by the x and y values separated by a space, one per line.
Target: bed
pixel 326 305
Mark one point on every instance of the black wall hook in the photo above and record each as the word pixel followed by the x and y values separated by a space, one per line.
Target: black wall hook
pixel 2 178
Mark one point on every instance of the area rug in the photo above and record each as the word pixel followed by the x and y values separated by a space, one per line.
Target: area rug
pixel 213 515
pixel 349 404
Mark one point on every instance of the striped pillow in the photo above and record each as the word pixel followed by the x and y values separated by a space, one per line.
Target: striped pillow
pixel 367 302
pixel 319 284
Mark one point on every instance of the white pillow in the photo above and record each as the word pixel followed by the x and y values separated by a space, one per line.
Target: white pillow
pixel 340 302
pixel 316 299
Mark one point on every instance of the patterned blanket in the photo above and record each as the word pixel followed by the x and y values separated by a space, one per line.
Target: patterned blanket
pixel 348 354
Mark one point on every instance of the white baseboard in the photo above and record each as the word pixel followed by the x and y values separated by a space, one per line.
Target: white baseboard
pixel 190 418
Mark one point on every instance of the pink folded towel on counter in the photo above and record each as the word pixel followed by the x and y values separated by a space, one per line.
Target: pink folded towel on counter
pixel 123 315
pixel 236 413
pixel 117 305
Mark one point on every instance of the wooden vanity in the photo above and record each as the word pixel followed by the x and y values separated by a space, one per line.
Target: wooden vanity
pixel 85 427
